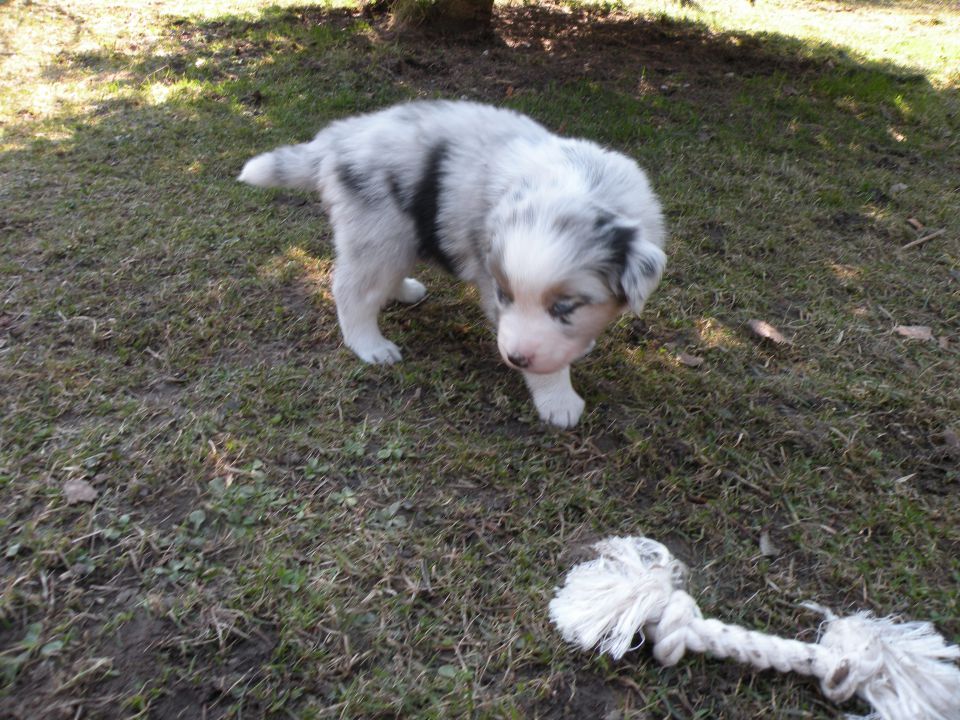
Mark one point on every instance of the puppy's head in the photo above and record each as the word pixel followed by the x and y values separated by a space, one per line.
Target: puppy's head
pixel 560 277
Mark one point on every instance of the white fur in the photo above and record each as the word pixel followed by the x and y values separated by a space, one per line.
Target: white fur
pixel 559 236
pixel 554 397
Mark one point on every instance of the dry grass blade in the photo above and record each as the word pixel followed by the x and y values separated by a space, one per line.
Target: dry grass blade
pixel 924 238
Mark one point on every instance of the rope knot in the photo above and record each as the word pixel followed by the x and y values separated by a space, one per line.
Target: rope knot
pixel 857 658
pixel 673 634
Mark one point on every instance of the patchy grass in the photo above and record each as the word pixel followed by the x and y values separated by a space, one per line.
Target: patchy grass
pixel 282 531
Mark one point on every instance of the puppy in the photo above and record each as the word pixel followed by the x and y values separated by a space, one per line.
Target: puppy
pixel 558 235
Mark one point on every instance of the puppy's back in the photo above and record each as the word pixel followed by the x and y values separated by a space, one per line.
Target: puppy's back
pixel 390 144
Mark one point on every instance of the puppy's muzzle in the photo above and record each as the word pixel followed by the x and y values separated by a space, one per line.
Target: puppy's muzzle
pixel 519 361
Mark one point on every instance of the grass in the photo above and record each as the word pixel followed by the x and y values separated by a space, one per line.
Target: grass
pixel 281 531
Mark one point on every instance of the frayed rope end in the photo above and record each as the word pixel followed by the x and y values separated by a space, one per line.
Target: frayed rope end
pixel 607 601
pixel 905 670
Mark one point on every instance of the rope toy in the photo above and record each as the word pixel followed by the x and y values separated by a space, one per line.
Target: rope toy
pixel 905 670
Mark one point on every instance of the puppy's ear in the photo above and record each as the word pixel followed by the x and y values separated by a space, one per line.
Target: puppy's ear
pixel 636 264
pixel 642 270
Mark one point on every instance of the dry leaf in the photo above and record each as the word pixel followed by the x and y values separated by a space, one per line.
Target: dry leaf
pixel 915 224
pixel 767 548
pixel 914 332
pixel 78 491
pixel 944 342
pixel 690 360
pixel 769 332
pixel 951 439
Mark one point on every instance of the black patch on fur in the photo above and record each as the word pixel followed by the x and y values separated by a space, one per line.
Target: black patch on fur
pixel 603 218
pixel 351 180
pixel 425 207
pixel 618 240
pixel 648 267
pixel 396 192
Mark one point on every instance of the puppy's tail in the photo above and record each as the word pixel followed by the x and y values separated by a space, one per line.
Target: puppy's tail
pixel 290 166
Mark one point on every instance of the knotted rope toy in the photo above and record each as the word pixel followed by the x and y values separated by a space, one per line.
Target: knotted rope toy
pixel 905 670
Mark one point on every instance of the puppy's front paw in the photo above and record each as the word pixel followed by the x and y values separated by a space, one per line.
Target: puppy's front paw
pixel 382 353
pixel 563 410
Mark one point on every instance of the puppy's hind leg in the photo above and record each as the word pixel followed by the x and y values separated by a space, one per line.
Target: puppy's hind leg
pixel 409 291
pixel 360 290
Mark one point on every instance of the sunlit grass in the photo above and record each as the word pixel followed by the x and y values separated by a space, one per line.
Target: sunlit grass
pixel 59 56
pixel 714 334
pixel 922 36
pixel 295 263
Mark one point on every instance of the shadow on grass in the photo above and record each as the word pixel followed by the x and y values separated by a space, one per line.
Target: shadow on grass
pixel 288 65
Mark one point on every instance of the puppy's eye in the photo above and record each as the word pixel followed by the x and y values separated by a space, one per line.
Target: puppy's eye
pixel 562 309
pixel 503 297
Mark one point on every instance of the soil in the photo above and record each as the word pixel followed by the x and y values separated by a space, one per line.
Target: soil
pixel 536 45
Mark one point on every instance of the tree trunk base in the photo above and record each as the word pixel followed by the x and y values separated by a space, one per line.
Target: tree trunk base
pixel 447 17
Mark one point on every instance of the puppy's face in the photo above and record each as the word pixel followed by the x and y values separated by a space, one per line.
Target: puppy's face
pixel 548 322
pixel 559 281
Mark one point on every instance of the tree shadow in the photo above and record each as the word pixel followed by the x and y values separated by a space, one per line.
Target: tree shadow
pixel 615 77
pixel 532 47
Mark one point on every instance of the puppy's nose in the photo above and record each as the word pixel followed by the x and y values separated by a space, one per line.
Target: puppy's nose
pixel 520 361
